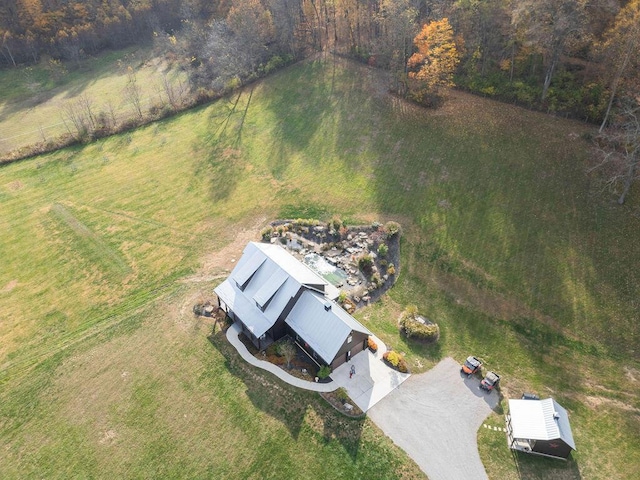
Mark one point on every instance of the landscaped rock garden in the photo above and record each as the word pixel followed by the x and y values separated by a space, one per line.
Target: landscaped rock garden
pixel 418 327
pixel 361 261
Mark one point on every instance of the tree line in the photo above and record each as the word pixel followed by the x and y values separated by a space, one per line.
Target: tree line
pixel 571 57
pixel 576 58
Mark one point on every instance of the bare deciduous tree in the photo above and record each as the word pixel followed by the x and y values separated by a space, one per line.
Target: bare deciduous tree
pixel 620 148
pixel 132 92
pixel 86 104
pixel 620 51
pixel 74 113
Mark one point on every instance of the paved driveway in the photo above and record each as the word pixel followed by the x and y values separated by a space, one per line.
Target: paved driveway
pixel 435 417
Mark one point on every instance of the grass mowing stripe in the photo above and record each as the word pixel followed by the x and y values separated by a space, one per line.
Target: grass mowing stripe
pixel 90 243
pixel 92 326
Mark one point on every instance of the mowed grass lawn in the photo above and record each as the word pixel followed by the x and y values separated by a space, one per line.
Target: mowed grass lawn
pixel 507 244
pixel 33 98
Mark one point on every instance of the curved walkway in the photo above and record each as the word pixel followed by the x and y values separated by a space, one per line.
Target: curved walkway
pixel 373 380
pixel 232 335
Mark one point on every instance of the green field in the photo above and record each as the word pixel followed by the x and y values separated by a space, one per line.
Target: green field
pixel 33 98
pixel 507 244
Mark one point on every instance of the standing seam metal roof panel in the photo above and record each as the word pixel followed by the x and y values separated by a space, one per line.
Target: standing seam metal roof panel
pixel 270 287
pixel 324 330
pixel 243 308
pixel 247 266
pixel 290 264
pixel 534 419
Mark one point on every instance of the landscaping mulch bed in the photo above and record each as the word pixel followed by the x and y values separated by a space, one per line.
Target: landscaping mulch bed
pixel 334 400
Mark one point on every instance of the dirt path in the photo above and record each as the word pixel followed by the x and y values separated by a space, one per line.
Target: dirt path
pixel 435 417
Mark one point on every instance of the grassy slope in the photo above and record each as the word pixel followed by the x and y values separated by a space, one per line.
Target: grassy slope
pixel 32 98
pixel 506 246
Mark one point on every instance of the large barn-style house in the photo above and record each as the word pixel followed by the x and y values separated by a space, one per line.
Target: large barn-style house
pixel 272 294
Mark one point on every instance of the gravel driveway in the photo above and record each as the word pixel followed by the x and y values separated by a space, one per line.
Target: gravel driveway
pixel 435 417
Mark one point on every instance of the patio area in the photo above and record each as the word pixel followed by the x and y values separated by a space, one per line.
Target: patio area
pixel 373 379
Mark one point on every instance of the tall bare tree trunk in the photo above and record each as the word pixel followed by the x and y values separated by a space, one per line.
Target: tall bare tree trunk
pixel 549 76
pixel 614 88
pixel 629 180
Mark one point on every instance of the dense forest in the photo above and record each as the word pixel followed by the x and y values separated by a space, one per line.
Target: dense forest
pixel 571 57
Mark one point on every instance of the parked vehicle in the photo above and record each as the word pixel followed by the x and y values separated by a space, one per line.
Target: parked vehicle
pixel 530 396
pixel 490 381
pixel 471 366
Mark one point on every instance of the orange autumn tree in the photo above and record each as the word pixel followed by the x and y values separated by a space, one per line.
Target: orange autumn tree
pixel 433 65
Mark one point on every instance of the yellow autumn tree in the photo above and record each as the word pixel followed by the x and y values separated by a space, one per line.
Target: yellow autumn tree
pixel 433 65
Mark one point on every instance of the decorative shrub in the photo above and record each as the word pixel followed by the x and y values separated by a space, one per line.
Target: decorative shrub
pixel 342 394
pixel 411 311
pixel 429 332
pixel 396 360
pixel 391 269
pixel 324 372
pixel 383 250
pixel 307 222
pixel 342 297
pixel 392 228
pixel 335 224
pixel 376 280
pixel 266 233
pixel 365 263
pixel 402 366
pixel 371 343
pixel 392 357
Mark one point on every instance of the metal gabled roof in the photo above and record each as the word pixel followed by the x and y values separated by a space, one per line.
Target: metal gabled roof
pixel 323 324
pixel 540 420
pixel 247 266
pixel 262 284
pixel 290 264
pixel 269 288
pixel 244 308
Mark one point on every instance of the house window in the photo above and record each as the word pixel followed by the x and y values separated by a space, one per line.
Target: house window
pixel 349 338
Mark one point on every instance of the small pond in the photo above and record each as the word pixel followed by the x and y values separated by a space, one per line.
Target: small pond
pixel 326 270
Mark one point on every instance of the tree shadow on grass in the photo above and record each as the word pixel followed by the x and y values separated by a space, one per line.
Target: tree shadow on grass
pixel 70 85
pixel 220 147
pixel 289 405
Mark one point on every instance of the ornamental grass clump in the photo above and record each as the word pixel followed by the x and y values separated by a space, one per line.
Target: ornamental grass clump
pixel 392 229
pixel 342 395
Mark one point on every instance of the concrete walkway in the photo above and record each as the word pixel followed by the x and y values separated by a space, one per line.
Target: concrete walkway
pixel 372 382
pixel 232 335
